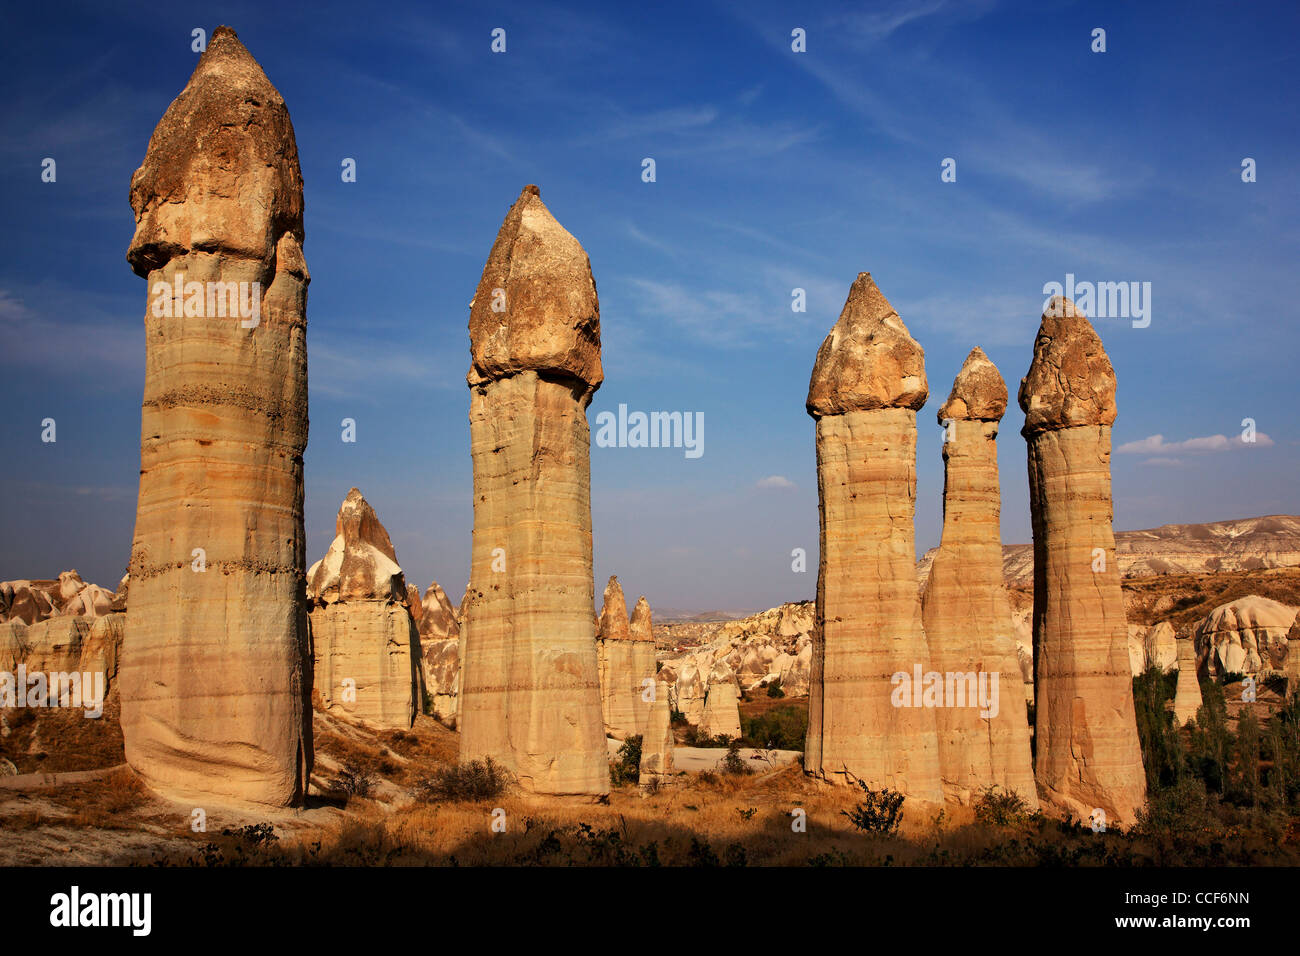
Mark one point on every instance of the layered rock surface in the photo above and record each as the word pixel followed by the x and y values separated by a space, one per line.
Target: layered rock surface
pixel 364 639
pixel 867 383
pixel 530 684
pixel 965 610
pixel 214 676
pixel 1087 754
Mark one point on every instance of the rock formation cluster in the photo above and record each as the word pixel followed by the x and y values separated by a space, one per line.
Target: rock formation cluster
pixel 965 610
pixel 867 383
pixel 215 677
pixel 364 639
pixel 32 601
pixel 530 686
pixel 1087 755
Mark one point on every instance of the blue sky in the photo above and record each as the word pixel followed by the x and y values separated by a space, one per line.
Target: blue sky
pixel 774 170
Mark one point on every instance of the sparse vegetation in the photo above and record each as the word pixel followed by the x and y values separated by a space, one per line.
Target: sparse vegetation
pixel 880 812
pixel 1002 808
pixel 781 728
pixel 733 764
pixel 354 780
pixel 473 780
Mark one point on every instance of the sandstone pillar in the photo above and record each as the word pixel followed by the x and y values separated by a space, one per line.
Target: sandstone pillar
pixel 657 742
pixel 1087 754
pixel 1187 696
pixel 214 674
pixel 364 638
pixel 439 627
pixel 530 687
pixel 965 609
pixel 866 386
pixel 722 710
pixel 612 644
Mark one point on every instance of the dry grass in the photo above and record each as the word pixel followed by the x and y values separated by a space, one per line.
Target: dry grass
pixel 57 740
pixel 1183 599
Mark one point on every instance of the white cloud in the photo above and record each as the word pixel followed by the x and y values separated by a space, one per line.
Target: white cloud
pixel 775 481
pixel 1210 443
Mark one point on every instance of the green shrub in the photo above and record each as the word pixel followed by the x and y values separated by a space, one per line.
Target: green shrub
pixel 627 767
pixel 1162 747
pixel 880 812
pixel 696 737
pixel 781 728
pixel 999 807
pixel 774 689
pixel 733 763
pixel 1211 741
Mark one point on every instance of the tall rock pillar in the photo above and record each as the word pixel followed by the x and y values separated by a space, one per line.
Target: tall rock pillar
pixel 965 609
pixel 866 386
pixel 1187 694
pixel 215 675
pixel 1086 750
pixel 530 687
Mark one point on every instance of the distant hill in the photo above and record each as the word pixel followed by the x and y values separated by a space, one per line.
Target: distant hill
pixel 675 615
pixel 1246 544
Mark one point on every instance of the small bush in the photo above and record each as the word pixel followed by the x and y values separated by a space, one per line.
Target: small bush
pixel 774 689
pixel 627 767
pixel 696 737
pixel 1003 808
pixel 354 780
pixel 733 764
pixel 470 781
pixel 880 812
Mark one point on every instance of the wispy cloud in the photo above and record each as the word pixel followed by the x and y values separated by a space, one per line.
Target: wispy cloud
pixel 775 481
pixel 880 22
pixel 1209 444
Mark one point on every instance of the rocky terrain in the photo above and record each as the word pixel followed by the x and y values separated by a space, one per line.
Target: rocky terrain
pixel 1244 544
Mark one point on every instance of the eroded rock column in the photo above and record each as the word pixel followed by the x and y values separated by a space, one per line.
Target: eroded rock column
pixel 984 737
pixel 1087 755
pixel 1187 694
pixel 530 688
pixel 866 386
pixel 364 638
pixel 214 675
pixel 657 742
